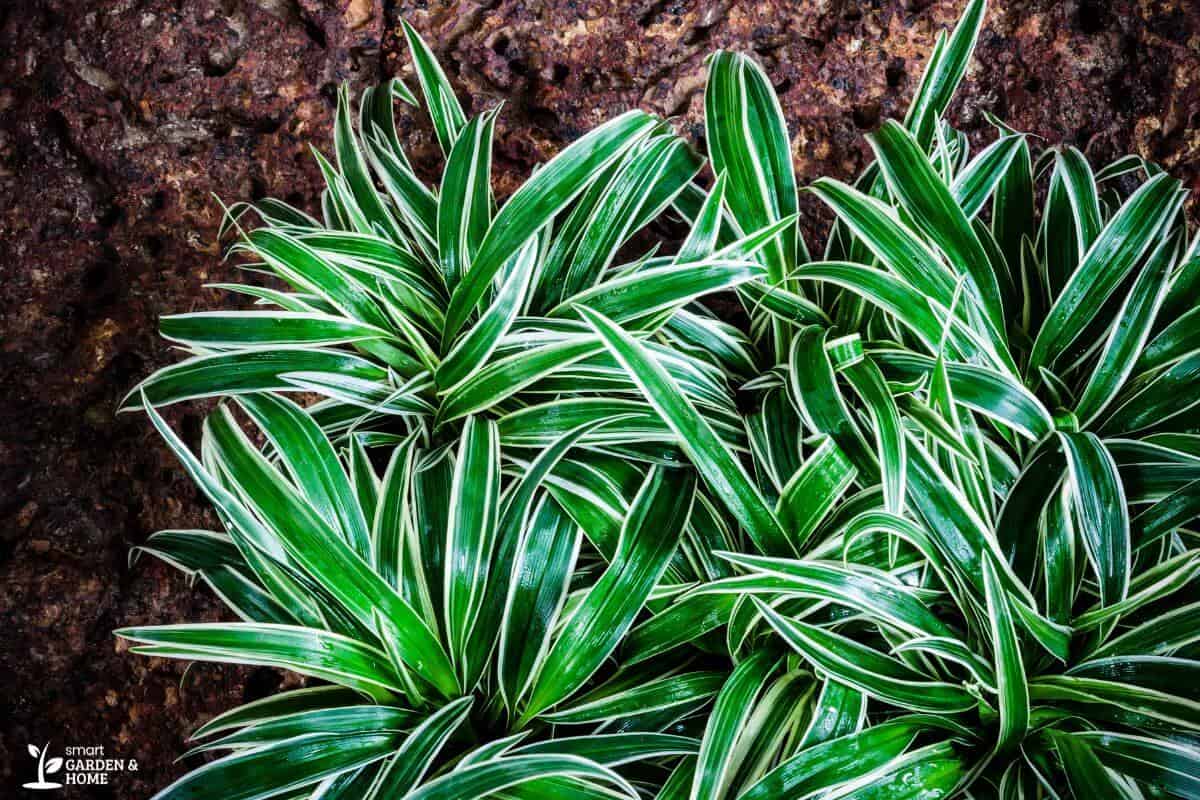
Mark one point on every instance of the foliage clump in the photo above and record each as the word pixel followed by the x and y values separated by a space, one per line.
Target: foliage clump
pixel 921 528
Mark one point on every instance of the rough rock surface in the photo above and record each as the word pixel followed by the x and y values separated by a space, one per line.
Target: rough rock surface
pixel 120 120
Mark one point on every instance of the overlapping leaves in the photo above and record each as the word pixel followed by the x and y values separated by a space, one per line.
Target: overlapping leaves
pixel 921 528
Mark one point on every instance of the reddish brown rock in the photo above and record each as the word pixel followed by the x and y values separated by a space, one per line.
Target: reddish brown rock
pixel 120 120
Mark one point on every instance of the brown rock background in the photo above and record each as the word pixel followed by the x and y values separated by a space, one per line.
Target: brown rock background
pixel 119 120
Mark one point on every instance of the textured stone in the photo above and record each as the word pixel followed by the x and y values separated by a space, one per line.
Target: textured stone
pixel 120 120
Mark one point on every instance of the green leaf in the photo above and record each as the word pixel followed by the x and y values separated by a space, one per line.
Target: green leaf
pixel 244 371
pixel 311 461
pixel 868 670
pixel 264 329
pixel 945 70
pixel 542 565
pixel 310 541
pixel 321 654
pixel 1086 774
pixel 723 473
pixel 1100 512
pixel 473 350
pixel 645 293
pixel 1171 766
pixel 834 762
pixel 470 531
pixel 413 760
pixel 716 765
pixel 648 540
pixel 1009 664
pixel 444 108
pixel 973 186
pixel 1120 246
pixel 1128 335
pixel 464 207
pixel 812 492
pixel 486 778
pixel 860 588
pixel 533 205
pixel 748 144
pixel 664 693
pixel 278 768
pixel 922 193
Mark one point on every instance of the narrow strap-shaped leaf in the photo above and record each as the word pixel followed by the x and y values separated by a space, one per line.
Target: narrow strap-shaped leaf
pixel 1086 774
pixel 473 350
pixel 1080 187
pixel 927 199
pixel 540 576
pixel 470 530
pixel 669 692
pixel 945 70
pixel 415 757
pixel 748 142
pixel 444 108
pixel 328 656
pixel 278 768
pixel 265 328
pixel 877 226
pixel 489 777
pixel 465 201
pixel 887 293
pixel 1161 635
pixel 839 711
pixel 353 167
pixel 277 705
pixel 812 492
pixel 963 538
pixel 716 764
pixel 815 391
pixel 860 588
pixel 616 749
pixel 358 718
pixel 1128 335
pixel 1170 766
pixel 1128 236
pixel 646 292
pixel 645 183
pixel 242 371
pixel 311 461
pixel 866 669
pixel 648 539
pixel 545 194
pixel 506 376
pixel 677 625
pixel 1178 340
pixel 890 438
pixel 702 239
pixel 309 540
pixel 302 266
pixel 974 185
pixel 509 563
pixel 1009 665
pixel 834 762
pixel 720 469
pixel 1101 512
pixel 987 391
pixel 1013 215
pixel 389 527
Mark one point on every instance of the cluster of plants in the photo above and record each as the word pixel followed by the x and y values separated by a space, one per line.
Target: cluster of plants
pixel 914 525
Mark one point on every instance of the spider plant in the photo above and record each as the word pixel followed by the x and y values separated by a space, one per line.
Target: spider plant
pixel 1011 386
pixel 918 529
pixel 412 308
pixel 459 628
